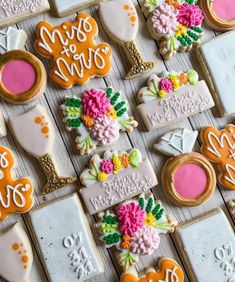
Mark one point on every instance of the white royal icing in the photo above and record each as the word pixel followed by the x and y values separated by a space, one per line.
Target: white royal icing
pixel 11 39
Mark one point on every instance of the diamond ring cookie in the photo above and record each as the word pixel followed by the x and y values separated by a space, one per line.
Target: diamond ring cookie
pixel 120 20
pixel 14 11
pixel 16 255
pixel 218 147
pixel 23 77
pixel 134 228
pixel 115 177
pixel 188 178
pixel 167 270
pixel 97 116
pixel 72 255
pixel 34 131
pixel 207 246
pixel 172 96
pixel 217 58
pixel 74 54
pixel 175 24
pixel 11 39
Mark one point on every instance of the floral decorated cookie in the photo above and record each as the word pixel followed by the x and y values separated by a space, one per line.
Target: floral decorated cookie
pixel 97 116
pixel 134 228
pixel 176 24
pixel 115 177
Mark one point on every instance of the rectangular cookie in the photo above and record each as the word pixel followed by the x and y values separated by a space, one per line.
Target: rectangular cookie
pixel 217 58
pixel 65 241
pixel 207 245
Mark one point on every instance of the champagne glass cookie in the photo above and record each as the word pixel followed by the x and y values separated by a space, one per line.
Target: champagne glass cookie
pixel 188 178
pixel 120 20
pixel 35 133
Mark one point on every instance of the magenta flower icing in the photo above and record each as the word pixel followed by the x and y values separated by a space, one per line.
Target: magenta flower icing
pixel 105 130
pixel 166 85
pixel 145 241
pixel 130 218
pixel 190 15
pixel 164 19
pixel 107 166
pixel 95 103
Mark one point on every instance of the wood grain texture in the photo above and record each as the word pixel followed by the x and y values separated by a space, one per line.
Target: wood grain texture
pixel 70 163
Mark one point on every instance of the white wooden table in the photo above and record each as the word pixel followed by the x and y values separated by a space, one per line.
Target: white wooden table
pixel 70 163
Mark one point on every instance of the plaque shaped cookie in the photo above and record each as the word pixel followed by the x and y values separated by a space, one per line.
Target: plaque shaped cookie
pixel 114 178
pixel 188 178
pixel 172 96
pixel 207 245
pixel 218 147
pixel 16 255
pixel 134 228
pixel 74 54
pixel 176 24
pixel 98 116
pixel 11 39
pixel 72 254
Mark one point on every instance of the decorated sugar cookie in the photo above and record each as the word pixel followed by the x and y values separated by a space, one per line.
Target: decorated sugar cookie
pixel 23 77
pixel 168 270
pixel 97 116
pixel 115 177
pixel 120 20
pixel 175 24
pixel 35 133
pixel 172 96
pixel 16 256
pixel 16 195
pixel 63 235
pixel 188 178
pixel 219 14
pixel 207 246
pixel 218 147
pixel 134 228
pixel 11 39
pixel 74 54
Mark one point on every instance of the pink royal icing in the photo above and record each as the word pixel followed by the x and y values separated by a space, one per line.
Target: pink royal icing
pixel 190 15
pixel 190 181
pixel 225 9
pixel 18 76
pixel 166 85
pixel 107 166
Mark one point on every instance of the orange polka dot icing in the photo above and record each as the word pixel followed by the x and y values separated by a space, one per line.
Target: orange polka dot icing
pixel 71 47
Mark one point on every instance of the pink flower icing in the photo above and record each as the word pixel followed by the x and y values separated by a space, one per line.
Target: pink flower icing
pixel 190 15
pixel 164 19
pixel 105 130
pixel 131 218
pixel 145 241
pixel 95 103
pixel 107 166
pixel 166 85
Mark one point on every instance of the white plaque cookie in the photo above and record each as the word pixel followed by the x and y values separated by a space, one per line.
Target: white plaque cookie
pixel 65 241
pixel 207 245
pixel 172 96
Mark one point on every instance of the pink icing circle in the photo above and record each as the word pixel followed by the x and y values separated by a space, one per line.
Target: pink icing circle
pixel 18 76
pixel 224 9
pixel 190 181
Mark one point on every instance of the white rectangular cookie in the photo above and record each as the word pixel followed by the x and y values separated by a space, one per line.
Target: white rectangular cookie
pixel 207 245
pixel 13 11
pixel 65 241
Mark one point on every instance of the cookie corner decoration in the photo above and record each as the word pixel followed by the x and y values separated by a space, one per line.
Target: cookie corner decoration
pixel 115 177
pixel 218 147
pixel 74 54
pixel 175 24
pixel 120 20
pixel 172 96
pixel 98 117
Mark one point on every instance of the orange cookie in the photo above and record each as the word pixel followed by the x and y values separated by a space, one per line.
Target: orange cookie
pixel 169 270
pixel 71 47
pixel 15 195
pixel 219 147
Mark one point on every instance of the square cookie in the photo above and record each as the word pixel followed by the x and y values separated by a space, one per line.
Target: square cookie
pixel 207 245
pixel 65 241
pixel 217 58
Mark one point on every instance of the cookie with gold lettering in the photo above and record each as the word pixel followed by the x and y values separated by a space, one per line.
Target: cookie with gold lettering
pixel 74 54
